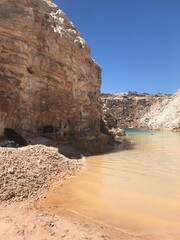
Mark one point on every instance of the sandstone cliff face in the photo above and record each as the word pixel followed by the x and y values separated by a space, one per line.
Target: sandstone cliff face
pixel 48 81
pixel 163 115
pixel 128 109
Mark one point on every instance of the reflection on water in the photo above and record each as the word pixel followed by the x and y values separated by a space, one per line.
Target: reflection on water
pixel 136 189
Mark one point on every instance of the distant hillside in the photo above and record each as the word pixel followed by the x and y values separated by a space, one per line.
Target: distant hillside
pixel 157 111
pixel 163 115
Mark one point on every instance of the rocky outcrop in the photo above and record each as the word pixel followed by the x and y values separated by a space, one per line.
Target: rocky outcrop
pixel 127 109
pixel 109 126
pixel 163 115
pixel 135 110
pixel 49 85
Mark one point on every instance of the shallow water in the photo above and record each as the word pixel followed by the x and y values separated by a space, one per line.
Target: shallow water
pixel 137 189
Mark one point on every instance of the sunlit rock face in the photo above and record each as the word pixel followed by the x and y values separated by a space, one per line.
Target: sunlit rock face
pixel 48 81
pixel 164 115
pixel 129 109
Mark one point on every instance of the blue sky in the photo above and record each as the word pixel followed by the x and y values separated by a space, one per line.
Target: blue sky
pixel 136 42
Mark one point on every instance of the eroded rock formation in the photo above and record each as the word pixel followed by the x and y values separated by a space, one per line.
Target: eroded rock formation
pixel 109 125
pixel 48 81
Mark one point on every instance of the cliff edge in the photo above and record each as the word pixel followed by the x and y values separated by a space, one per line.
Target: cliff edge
pixel 49 85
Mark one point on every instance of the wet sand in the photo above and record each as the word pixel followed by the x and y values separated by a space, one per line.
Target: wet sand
pixel 33 219
pixel 30 221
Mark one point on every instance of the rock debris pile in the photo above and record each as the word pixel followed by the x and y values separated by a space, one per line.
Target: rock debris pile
pixel 26 172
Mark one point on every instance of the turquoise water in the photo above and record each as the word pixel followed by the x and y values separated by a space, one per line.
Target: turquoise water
pixel 139 131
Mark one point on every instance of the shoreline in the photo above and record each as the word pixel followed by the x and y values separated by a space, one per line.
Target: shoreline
pixel 29 219
pixel 26 221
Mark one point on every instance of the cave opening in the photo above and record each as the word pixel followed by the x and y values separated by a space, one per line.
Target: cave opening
pixel 48 129
pixel 13 136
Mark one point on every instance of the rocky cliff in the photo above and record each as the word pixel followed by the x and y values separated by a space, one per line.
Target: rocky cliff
pixel 129 109
pixel 48 82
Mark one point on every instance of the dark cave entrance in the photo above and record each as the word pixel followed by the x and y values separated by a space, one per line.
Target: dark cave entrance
pixel 12 135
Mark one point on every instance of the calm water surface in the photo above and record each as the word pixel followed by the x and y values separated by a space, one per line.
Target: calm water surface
pixel 137 189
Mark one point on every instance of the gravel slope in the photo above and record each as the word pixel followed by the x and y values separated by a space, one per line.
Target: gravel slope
pixel 26 172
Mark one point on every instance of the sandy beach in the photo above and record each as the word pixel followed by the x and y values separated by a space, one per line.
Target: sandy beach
pixel 28 221
pixel 25 216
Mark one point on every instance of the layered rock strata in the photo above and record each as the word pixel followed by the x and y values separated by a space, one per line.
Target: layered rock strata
pixel 127 109
pixel 49 85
